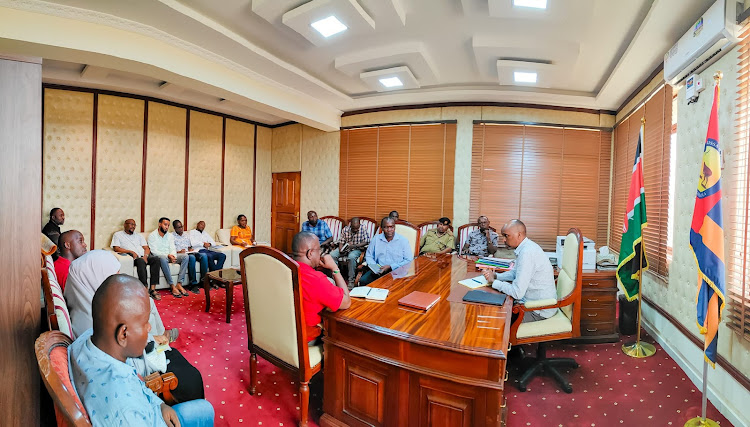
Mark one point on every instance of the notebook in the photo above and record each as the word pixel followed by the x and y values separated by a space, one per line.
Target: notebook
pixel 474 282
pixel 485 297
pixel 420 300
pixel 376 294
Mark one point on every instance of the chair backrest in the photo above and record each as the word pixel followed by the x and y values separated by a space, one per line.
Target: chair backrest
pixel 335 224
pixel 58 317
pixel 273 305
pixel 427 226
pixel 569 278
pixel 52 357
pixel 369 225
pixel 222 235
pixel 465 230
pixel 411 232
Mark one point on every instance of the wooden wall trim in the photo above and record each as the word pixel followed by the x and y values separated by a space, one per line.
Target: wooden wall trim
pixel 426 122
pixel 41 196
pixel 187 163
pixel 143 169
pixel 720 360
pixel 93 171
pixel 223 157
pixel 255 171
pixel 553 125
pixel 477 104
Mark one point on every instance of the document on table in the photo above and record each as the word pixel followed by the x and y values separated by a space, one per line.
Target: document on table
pixel 377 294
pixel 375 268
pixel 474 282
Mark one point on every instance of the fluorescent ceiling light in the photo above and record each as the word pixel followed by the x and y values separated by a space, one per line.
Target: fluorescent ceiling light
pixel 537 4
pixel 523 77
pixel 329 26
pixel 391 82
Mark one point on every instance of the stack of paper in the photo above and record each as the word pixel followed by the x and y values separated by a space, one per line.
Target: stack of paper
pixel 499 263
pixel 474 282
pixel 376 294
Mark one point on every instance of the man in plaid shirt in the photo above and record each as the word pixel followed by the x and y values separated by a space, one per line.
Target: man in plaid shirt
pixel 354 239
pixel 320 229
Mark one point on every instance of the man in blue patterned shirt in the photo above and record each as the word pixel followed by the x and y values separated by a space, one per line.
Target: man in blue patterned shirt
pixel 102 376
pixel 320 229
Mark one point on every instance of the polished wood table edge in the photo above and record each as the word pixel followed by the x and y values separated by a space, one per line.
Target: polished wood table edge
pixel 474 351
pixel 496 385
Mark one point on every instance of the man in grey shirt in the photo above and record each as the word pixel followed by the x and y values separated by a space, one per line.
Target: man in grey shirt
pixel 531 278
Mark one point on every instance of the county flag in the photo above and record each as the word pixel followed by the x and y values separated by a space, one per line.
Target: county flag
pixel 707 238
pixel 632 257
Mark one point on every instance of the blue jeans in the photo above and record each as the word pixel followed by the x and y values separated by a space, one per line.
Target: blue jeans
pixel 215 260
pixel 191 267
pixel 182 259
pixel 195 413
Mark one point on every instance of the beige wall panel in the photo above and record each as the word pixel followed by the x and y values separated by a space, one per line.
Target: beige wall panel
pixel 68 135
pixel 204 178
pixel 119 163
pixel 238 172
pixel 641 96
pixel 606 120
pixel 540 116
pixel 263 182
pixel 165 164
pixel 465 117
pixel 320 172
pixel 395 116
pixel 287 149
pixel 677 295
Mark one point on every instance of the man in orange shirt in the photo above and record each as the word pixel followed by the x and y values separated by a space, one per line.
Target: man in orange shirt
pixel 241 234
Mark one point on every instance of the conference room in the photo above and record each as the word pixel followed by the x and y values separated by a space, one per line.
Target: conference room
pixel 606 140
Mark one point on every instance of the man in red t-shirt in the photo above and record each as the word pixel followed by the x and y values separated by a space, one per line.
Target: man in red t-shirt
pixel 71 246
pixel 318 292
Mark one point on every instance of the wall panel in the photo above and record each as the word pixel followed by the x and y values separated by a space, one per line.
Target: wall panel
pixel 204 172
pixel 68 139
pixel 320 172
pixel 287 149
pixel 119 162
pixel 263 185
pixel 238 172
pixel 165 164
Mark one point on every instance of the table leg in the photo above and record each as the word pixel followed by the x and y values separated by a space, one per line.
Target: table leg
pixel 230 293
pixel 206 289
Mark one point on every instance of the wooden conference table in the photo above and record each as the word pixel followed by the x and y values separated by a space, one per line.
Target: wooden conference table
pixel 388 365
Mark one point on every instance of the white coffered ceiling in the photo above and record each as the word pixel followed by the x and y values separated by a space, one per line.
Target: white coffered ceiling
pixel 587 53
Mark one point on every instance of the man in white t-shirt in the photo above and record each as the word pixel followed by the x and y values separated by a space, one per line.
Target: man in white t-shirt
pixel 199 238
pixel 129 243
pixel 161 242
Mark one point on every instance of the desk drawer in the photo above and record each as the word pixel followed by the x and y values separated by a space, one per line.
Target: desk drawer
pixel 599 314
pixel 599 283
pixel 597 299
pixel 597 328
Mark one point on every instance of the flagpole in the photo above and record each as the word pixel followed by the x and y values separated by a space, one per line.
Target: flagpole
pixel 640 349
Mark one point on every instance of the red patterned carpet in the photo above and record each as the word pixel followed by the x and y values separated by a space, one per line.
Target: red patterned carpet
pixel 608 389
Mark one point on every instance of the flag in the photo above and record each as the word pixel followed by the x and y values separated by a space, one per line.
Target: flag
pixel 707 238
pixel 632 257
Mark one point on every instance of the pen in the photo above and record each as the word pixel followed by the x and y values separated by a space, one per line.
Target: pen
pixel 474 279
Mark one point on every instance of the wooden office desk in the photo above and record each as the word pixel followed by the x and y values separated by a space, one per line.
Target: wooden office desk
pixel 388 365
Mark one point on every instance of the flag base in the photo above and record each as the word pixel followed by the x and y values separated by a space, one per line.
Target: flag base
pixel 639 349
pixel 701 422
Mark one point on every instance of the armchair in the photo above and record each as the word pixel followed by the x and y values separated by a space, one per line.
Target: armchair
pixel 463 234
pixel 336 225
pixel 275 319
pixel 563 325
pixel 425 227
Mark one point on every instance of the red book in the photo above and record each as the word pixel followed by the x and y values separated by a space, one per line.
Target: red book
pixel 419 300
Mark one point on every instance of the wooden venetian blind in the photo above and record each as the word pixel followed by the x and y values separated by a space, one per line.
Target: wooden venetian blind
pixel 408 168
pixel 656 159
pixel 552 178
pixel 737 230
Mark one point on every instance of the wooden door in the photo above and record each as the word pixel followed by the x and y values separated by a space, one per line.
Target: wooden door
pixel 284 209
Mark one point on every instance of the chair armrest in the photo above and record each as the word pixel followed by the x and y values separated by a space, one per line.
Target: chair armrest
pixel 162 384
pixel 541 304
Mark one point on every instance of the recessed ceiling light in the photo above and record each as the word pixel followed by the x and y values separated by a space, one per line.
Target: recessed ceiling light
pixel 391 82
pixel 524 77
pixel 537 4
pixel 329 26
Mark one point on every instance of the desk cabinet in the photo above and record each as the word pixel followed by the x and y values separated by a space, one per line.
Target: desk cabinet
pixel 598 307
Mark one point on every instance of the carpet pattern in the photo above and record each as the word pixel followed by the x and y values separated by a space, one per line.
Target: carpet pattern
pixel 609 388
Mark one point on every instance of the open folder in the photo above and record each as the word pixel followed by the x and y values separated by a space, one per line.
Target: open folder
pixel 376 294
pixel 474 282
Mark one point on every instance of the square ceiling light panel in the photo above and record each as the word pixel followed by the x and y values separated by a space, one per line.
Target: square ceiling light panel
pixel 324 21
pixel 388 79
pixel 524 77
pixel 536 4
pixel 524 73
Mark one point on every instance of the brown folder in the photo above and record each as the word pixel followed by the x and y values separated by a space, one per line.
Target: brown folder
pixel 419 300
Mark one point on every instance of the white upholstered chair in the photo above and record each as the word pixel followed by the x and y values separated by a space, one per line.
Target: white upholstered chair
pixel 411 232
pixel 336 225
pixel 427 226
pixel 563 325
pixel 275 319
pixel 463 234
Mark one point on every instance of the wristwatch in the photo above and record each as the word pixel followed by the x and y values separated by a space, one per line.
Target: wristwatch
pixel 336 272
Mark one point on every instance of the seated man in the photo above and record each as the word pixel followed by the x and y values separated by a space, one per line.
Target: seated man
pixel 183 245
pixel 318 292
pixel 387 251
pixel 531 278
pixel 353 240
pixel 481 242
pixel 200 239
pixel 241 234
pixel 319 228
pixel 439 240
pixel 161 243
pixel 52 228
pixel 72 246
pixel 128 242
pixel 393 215
pixel 100 368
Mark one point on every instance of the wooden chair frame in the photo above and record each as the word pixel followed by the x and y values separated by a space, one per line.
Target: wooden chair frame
pixel 48 303
pixel 305 372
pixel 461 228
pixel 429 223
pixel 343 224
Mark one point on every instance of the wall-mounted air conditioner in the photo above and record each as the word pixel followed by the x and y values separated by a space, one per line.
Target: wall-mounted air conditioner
pixel 712 36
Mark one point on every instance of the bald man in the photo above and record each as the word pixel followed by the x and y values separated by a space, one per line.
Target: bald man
pixel 318 293
pixel 531 278
pixel 71 246
pixel 100 363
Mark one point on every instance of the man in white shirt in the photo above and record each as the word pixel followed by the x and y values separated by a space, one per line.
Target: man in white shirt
pixel 129 243
pixel 531 278
pixel 161 243
pixel 209 260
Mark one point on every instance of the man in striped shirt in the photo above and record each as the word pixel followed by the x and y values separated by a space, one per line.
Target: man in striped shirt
pixel 354 239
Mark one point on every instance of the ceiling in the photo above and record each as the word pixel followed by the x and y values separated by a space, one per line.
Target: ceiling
pixel 586 53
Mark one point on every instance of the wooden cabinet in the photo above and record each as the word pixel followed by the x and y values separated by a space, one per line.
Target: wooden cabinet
pixel 598 307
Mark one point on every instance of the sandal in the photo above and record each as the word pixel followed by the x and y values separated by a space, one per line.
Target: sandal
pixel 172 334
pixel 176 295
pixel 154 295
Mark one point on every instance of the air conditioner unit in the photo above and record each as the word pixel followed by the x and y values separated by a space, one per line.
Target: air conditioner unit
pixel 712 36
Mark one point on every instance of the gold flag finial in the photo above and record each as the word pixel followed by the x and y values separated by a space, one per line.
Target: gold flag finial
pixel 643 120
pixel 718 76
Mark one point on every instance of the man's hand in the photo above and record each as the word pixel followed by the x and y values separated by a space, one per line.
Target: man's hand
pixel 182 251
pixel 327 261
pixel 172 258
pixel 489 275
pixel 170 416
pixel 133 254
pixel 384 269
pixel 206 245
pixel 161 339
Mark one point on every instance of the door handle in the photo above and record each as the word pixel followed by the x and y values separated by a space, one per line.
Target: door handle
pixel 296 217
